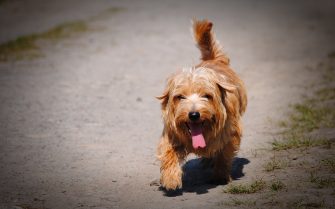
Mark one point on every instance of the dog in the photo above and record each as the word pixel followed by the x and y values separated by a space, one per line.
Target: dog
pixel 201 110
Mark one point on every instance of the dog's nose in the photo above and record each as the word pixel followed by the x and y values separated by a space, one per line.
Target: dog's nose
pixel 193 116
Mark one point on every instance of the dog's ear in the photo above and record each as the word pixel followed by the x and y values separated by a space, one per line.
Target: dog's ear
pixel 224 84
pixel 164 98
pixel 225 87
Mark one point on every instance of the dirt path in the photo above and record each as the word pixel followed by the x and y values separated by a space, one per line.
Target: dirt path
pixel 79 126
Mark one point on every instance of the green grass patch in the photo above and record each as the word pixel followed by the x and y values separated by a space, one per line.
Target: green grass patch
pixel 64 30
pixel 325 94
pixel 306 204
pixel 309 116
pixel 15 48
pixel 250 188
pixel 26 46
pixel 275 164
pixel 322 182
pixel 233 202
pixel 313 113
pixel 330 163
pixel 277 185
pixel 295 140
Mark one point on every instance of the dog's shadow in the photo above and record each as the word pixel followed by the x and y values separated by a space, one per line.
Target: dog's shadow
pixel 196 179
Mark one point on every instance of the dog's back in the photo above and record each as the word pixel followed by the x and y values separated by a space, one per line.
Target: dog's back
pixel 213 57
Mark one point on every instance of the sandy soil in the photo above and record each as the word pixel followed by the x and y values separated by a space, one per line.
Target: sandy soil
pixel 79 127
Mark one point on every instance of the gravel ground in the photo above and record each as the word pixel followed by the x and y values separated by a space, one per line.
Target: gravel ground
pixel 79 126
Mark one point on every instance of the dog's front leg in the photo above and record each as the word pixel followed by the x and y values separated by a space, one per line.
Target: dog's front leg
pixel 170 157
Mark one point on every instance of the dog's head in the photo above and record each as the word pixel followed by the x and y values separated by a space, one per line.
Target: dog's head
pixel 194 105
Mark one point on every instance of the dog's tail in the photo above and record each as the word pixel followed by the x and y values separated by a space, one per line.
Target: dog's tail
pixel 206 42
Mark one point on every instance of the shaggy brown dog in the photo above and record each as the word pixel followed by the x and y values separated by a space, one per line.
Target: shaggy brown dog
pixel 202 108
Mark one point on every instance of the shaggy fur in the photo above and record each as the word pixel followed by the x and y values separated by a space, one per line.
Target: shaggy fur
pixel 213 90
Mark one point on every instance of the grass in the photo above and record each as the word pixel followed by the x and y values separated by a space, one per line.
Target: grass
pixel 309 116
pixel 295 140
pixel 274 164
pixel 302 204
pixel 277 185
pixel 64 30
pixel 250 188
pixel 313 113
pixel 322 182
pixel 253 187
pixel 238 202
pixel 326 94
pixel 26 46
pixel 309 124
pixel 330 163
pixel 15 48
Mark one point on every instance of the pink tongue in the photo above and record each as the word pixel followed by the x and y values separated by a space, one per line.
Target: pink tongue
pixel 198 139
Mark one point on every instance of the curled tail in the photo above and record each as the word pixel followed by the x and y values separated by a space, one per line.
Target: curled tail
pixel 206 42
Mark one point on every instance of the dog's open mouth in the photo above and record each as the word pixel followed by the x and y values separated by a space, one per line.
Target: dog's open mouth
pixel 198 139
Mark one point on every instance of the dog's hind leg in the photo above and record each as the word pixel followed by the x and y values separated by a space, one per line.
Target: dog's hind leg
pixel 223 164
pixel 206 162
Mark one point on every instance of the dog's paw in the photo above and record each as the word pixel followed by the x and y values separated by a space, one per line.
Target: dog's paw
pixel 172 193
pixel 171 182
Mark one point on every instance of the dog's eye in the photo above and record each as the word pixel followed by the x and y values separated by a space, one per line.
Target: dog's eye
pixel 180 97
pixel 207 96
